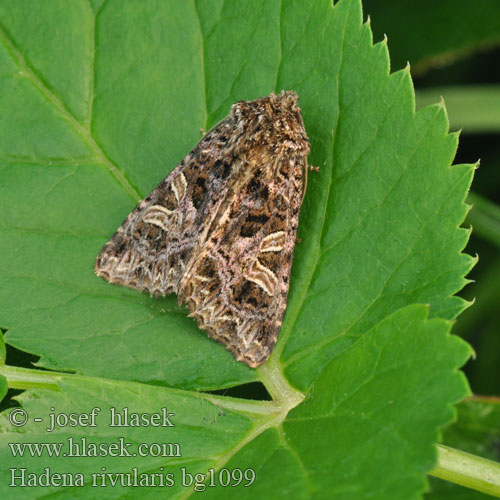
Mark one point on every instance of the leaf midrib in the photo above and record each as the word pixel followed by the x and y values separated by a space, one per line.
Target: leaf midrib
pixel 285 334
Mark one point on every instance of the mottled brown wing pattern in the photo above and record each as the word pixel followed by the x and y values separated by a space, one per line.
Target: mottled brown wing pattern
pixel 220 229
pixel 152 248
pixel 238 286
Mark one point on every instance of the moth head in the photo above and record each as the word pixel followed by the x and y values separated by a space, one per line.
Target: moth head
pixel 274 121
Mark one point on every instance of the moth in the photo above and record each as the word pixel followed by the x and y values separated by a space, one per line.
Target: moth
pixel 219 231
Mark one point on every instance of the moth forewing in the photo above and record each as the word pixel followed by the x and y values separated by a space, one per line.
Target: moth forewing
pixel 220 229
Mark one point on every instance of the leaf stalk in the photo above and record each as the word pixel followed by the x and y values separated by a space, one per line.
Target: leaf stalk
pixel 468 470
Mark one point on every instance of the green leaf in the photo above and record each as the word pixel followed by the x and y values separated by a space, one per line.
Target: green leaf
pixel 200 427
pixel 379 233
pixel 369 398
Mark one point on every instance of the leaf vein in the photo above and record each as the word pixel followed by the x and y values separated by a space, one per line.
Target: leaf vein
pixel 317 252
pixel 65 114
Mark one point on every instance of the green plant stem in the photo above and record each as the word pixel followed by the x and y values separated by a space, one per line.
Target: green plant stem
pixel 475 108
pixel 468 470
pixel 26 378
pixel 271 375
pixel 484 217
